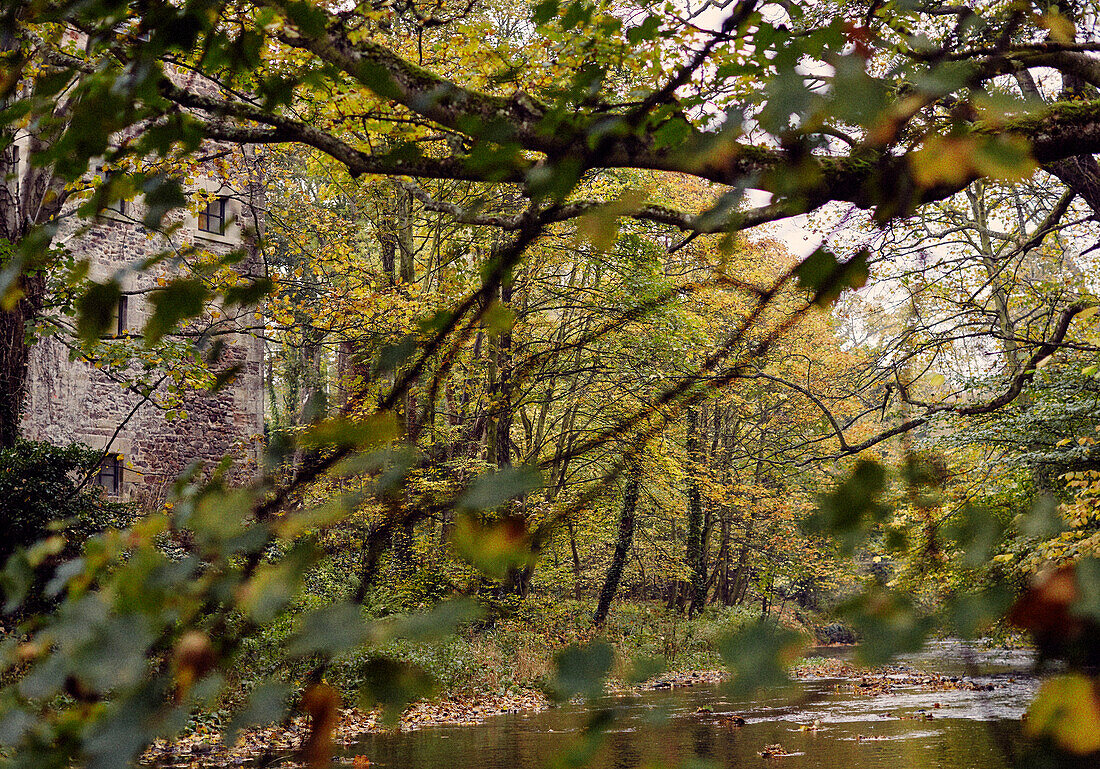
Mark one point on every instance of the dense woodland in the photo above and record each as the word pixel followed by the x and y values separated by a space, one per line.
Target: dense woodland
pixel 558 379
pixel 582 339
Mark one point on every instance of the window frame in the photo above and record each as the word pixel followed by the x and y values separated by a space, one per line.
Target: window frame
pixel 122 313
pixel 109 475
pixel 204 217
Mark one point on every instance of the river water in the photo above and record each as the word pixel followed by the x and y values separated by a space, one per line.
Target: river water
pixel 665 728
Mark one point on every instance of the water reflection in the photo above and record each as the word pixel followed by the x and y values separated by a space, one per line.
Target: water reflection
pixel 856 731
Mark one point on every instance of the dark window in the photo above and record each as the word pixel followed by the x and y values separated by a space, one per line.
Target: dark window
pixel 110 474
pixel 212 218
pixel 118 206
pixel 121 315
pixel 122 319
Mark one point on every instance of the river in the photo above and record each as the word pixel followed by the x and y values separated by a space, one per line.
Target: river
pixel 672 727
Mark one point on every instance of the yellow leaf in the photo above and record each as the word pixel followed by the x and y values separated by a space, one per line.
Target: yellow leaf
pixel 1067 711
pixel 942 159
pixel 1061 28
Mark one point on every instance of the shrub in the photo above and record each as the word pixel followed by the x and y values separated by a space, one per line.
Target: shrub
pixel 43 492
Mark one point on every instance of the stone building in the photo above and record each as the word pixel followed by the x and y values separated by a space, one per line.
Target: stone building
pixel 146 441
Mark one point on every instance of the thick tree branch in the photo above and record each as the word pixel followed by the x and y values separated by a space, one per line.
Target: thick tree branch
pixel 1011 393
pixel 868 176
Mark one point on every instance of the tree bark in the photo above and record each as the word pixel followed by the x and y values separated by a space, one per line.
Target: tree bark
pixel 29 196
pixel 622 545
pixel 696 541
pixel 15 356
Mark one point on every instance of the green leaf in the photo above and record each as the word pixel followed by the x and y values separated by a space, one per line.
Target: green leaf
pixel 14 723
pixel 826 276
pixel 434 625
pixel 1061 27
pixel 308 18
pixel 340 432
pixel 581 669
pixel 216 518
pixel 1088 585
pixel 493 547
pixel 498 318
pixel 1067 710
pixel 249 293
pixel 96 309
pixel 849 511
pixel 888 624
pixel 274 585
pixel 976 531
pixel 266 704
pixel 759 656
pixel 161 195
pixel 786 96
pixel 645 668
pixel 330 630
pixel 647 30
pixel 576 14
pixel 544 11
pixel 16 579
pixel 1006 158
pixel 226 377
pixel 392 356
pixel 970 615
pixel 394 685
pixel 1043 520
pixel 491 490
pixel 181 299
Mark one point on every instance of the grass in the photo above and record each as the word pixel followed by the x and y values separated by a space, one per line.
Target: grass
pixel 517 650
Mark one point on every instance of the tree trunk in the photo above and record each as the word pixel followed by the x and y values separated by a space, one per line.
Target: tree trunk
pixel 29 196
pixel 622 545
pixel 696 543
pixel 721 575
pixel 516 581
pixel 404 236
pixel 15 356
pixel 576 561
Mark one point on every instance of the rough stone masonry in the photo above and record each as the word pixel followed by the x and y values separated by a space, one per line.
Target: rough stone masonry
pixel 69 399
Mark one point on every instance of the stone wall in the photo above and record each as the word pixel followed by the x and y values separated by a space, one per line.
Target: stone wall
pixel 74 400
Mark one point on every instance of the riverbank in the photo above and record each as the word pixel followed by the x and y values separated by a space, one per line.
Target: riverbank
pixel 480 672
pixel 816 725
pixel 495 668
pixel 202 749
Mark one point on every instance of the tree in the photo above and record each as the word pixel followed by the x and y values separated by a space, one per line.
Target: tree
pixel 840 141
pixel 889 113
